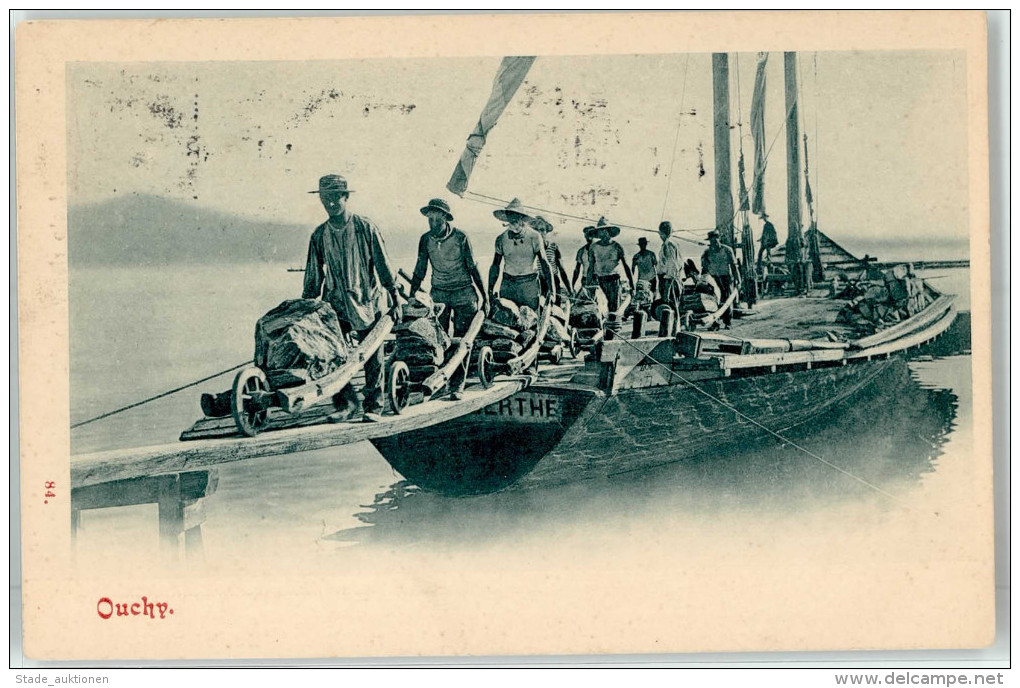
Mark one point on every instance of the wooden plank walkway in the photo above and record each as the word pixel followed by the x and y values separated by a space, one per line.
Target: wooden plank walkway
pixel 120 464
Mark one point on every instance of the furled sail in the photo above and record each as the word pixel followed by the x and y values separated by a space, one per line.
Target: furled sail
pixel 807 184
pixel 758 133
pixel 512 71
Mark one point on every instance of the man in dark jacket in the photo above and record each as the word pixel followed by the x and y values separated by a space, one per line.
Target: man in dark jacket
pixel 347 266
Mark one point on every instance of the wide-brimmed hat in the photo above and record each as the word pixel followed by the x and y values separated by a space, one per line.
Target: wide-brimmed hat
pixel 332 182
pixel 643 241
pixel 514 207
pixel 713 233
pixel 602 224
pixel 540 224
pixel 440 205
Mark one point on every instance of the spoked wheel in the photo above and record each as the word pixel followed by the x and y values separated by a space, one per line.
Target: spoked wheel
pixel 486 367
pixel 575 343
pixel 399 386
pixel 250 401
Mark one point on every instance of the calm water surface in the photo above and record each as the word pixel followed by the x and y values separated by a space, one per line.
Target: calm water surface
pixel 139 331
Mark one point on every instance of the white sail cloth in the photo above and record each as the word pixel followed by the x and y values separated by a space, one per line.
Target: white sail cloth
pixel 509 77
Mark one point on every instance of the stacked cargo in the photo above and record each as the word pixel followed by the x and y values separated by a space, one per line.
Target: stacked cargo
pixel 421 342
pixel 900 295
pixel 508 330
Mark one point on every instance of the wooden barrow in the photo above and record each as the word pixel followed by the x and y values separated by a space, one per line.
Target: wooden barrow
pixel 252 397
pixel 402 392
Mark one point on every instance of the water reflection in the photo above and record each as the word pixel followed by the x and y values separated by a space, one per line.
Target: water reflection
pixel 890 435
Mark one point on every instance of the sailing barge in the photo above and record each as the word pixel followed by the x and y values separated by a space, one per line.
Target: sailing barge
pixel 645 395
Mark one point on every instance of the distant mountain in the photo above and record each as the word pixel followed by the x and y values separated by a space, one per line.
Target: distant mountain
pixel 151 230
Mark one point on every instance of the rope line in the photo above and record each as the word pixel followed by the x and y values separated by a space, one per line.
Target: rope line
pixel 158 396
pixel 775 434
pixel 676 140
pixel 493 201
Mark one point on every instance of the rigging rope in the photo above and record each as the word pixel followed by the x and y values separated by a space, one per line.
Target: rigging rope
pixel 817 160
pixel 740 145
pixel 676 140
pixel 159 396
pixel 493 201
pixel 775 434
pixel 478 198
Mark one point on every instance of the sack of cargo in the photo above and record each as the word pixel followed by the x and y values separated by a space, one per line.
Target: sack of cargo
pixel 527 318
pixel 420 341
pixel 590 314
pixel 302 335
pixel 491 330
pixel 421 306
pixel 526 337
pixel 557 332
pixel 506 312
pixel 643 292
pixel 699 303
pixel 505 345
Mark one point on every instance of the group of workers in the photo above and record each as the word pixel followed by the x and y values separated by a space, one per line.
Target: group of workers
pixel 348 267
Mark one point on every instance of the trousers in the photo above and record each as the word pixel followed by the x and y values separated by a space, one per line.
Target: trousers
pixel 523 290
pixel 461 306
pixel 725 287
pixel 372 391
pixel 610 286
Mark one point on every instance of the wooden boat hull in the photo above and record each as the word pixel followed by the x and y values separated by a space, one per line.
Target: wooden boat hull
pixel 588 434
pixel 492 448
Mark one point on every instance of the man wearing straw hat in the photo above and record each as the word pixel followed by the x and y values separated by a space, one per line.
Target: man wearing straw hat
pixel 582 265
pixel 606 256
pixel 454 275
pixel 719 262
pixel 347 266
pixel 520 254
pixel 552 254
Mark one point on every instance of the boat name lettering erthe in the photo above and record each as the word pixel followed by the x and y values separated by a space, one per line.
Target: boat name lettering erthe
pixel 526 406
pixel 107 608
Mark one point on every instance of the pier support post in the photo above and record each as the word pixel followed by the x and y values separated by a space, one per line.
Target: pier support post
pixel 178 496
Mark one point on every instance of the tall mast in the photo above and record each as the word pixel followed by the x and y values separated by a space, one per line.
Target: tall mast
pixel 721 121
pixel 794 256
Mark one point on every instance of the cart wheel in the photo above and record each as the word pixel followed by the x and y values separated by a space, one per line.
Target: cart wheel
pixel 399 387
pixel 575 343
pixel 249 416
pixel 486 373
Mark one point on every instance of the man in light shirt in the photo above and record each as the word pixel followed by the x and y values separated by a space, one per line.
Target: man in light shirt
pixel 520 254
pixel 669 267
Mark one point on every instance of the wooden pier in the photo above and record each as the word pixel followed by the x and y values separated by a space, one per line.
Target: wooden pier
pixel 180 475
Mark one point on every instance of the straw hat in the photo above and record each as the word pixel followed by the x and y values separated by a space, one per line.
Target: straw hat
pixel 332 182
pixel 541 225
pixel 602 224
pixel 512 208
pixel 440 205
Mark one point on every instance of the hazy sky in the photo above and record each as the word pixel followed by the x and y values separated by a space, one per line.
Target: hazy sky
pixel 586 136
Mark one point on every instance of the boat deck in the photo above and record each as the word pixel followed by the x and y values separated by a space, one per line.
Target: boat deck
pixel 809 317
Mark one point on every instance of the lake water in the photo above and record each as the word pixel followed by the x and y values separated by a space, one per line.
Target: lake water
pixel 136 332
